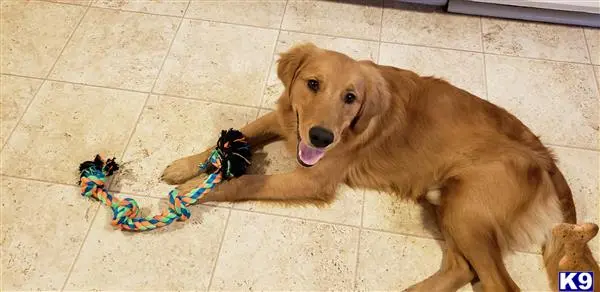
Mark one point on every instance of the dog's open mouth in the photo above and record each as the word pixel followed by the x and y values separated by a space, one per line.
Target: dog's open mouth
pixel 307 155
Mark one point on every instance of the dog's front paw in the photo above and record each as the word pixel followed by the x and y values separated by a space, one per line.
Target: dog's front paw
pixel 180 171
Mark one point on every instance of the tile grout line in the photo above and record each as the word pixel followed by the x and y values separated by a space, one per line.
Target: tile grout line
pixel 536 59
pixel 123 152
pixel 137 12
pixel 175 16
pixel 364 192
pixel 159 14
pixel 137 121
pixel 87 233
pixel 216 206
pixel 587 47
pixel 591 61
pixel 572 147
pixel 47 75
pixel 133 194
pixel 39 180
pixel 482 52
pixel 380 31
pixel 23 76
pixel 272 63
pixel 317 221
pixel 310 220
pixel 214 268
pixel 596 77
pixel 231 208
pixel 150 92
pixel 481 43
pixel 98 207
pixel 153 86
pixel 67 3
pixel 137 91
pixel 68 41
pixel 485 81
pixel 47 79
pixel 14 128
pixel 205 100
pixel 360 231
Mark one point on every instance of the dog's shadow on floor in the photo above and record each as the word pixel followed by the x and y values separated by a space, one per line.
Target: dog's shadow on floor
pixel 431 225
pixel 260 163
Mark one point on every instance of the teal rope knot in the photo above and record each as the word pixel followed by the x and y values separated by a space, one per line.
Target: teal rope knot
pixel 125 211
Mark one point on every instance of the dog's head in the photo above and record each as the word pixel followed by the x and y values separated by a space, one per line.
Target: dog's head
pixel 333 96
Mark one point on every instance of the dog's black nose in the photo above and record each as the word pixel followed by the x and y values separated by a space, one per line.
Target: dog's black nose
pixel 320 137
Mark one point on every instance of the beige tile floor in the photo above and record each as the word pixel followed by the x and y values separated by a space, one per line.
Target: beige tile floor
pixel 151 80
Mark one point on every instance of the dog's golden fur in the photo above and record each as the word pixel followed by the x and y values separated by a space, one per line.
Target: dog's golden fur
pixel 494 184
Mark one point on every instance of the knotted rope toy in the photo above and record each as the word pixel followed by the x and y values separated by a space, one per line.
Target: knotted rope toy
pixel 229 159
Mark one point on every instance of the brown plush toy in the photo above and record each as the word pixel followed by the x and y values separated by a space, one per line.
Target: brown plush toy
pixel 575 254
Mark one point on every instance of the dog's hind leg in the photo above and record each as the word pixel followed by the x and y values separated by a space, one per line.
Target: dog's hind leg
pixel 471 220
pixel 454 273
pixel 264 130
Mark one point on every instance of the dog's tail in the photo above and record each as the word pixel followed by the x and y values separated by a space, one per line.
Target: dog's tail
pixel 566 248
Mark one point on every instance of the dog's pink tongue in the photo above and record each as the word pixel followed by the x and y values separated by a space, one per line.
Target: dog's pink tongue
pixel 308 154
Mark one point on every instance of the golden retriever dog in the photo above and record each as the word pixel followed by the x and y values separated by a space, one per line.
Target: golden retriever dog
pixel 494 186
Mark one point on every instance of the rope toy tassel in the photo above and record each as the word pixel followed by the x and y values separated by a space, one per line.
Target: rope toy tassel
pixel 229 159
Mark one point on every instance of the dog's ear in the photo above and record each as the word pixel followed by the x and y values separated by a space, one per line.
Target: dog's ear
pixel 290 61
pixel 376 99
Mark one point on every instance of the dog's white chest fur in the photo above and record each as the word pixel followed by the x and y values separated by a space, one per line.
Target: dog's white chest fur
pixel 434 197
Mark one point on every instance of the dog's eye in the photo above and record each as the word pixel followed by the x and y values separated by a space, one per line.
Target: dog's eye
pixel 313 85
pixel 349 98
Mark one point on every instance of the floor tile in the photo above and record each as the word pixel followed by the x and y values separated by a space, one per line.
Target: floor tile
pixel 447 64
pixel 527 270
pixel 273 158
pixel 59 131
pixel 171 128
pixel 581 168
pixel 117 49
pixel 389 262
pixel 593 42
pixel 258 13
pixel 177 257
pixel 33 35
pixel 558 101
pixel 534 40
pixel 352 18
pixel 597 73
pixel 15 95
pixel 285 254
pixel 390 213
pixel 37 254
pixel 76 2
pixel 165 7
pixel 402 23
pixel 358 49
pixel 207 62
